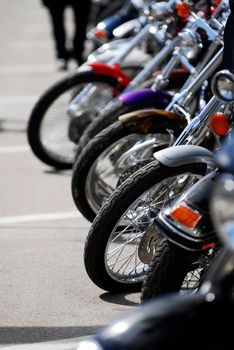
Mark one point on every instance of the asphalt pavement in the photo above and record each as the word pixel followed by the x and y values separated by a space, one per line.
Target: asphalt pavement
pixel 46 296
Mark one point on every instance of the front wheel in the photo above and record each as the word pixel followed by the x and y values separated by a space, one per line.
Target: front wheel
pixel 52 133
pixel 122 238
pixel 108 159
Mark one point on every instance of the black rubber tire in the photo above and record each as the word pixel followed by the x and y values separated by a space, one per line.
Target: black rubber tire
pixel 38 113
pixel 86 159
pixel 109 215
pixel 166 271
pixel 169 267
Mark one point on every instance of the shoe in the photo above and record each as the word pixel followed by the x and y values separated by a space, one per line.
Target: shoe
pixel 61 64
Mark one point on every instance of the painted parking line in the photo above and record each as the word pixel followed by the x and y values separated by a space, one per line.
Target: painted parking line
pixel 14 149
pixel 63 344
pixel 27 69
pixel 17 99
pixel 8 220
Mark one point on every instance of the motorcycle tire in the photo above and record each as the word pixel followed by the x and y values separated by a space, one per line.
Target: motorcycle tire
pixel 116 224
pixel 89 190
pixel 174 269
pixel 59 153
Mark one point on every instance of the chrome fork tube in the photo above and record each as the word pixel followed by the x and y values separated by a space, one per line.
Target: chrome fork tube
pixel 153 64
pixel 198 122
pixel 205 60
pixel 132 44
pixel 162 79
pixel 185 95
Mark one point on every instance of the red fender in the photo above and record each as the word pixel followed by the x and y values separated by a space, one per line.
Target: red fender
pixel 112 71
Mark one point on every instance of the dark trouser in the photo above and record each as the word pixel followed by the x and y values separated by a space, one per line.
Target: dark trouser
pixel 81 16
pixel 228 55
pixel 58 29
pixel 81 10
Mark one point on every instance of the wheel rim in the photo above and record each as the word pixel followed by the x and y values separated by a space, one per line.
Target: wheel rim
pixel 54 129
pixel 104 175
pixel 122 251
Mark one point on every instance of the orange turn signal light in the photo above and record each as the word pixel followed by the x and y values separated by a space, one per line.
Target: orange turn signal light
pixel 185 216
pixel 100 33
pixel 219 123
pixel 183 10
pixel 208 245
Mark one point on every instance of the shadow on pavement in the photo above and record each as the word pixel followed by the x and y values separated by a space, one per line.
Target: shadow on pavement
pixel 120 298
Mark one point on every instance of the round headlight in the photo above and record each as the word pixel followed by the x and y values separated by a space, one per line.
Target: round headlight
pixel 222 209
pixel 223 86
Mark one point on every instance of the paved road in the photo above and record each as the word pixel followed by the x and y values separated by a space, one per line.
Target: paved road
pixel 44 290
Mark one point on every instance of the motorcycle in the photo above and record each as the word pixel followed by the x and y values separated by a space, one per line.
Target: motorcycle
pixel 123 231
pixel 75 98
pixel 126 145
pixel 178 319
pixel 53 136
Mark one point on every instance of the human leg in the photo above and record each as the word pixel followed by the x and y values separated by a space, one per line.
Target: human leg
pixel 58 30
pixel 81 11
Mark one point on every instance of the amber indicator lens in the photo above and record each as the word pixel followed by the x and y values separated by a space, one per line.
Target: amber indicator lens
pixel 185 216
pixel 183 10
pixel 100 34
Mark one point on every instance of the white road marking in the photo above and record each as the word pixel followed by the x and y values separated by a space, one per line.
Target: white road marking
pixel 18 99
pixel 28 69
pixel 63 344
pixel 14 149
pixel 8 220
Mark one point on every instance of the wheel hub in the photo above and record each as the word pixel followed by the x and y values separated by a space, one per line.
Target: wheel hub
pixel 148 243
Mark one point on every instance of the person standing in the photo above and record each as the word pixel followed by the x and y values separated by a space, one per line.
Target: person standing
pixel 81 11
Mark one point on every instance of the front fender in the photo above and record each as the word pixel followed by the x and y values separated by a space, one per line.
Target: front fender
pixel 153 97
pixel 185 154
pixel 153 120
pixel 111 71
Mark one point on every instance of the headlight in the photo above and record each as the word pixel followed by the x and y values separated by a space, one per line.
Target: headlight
pixel 222 208
pixel 223 86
